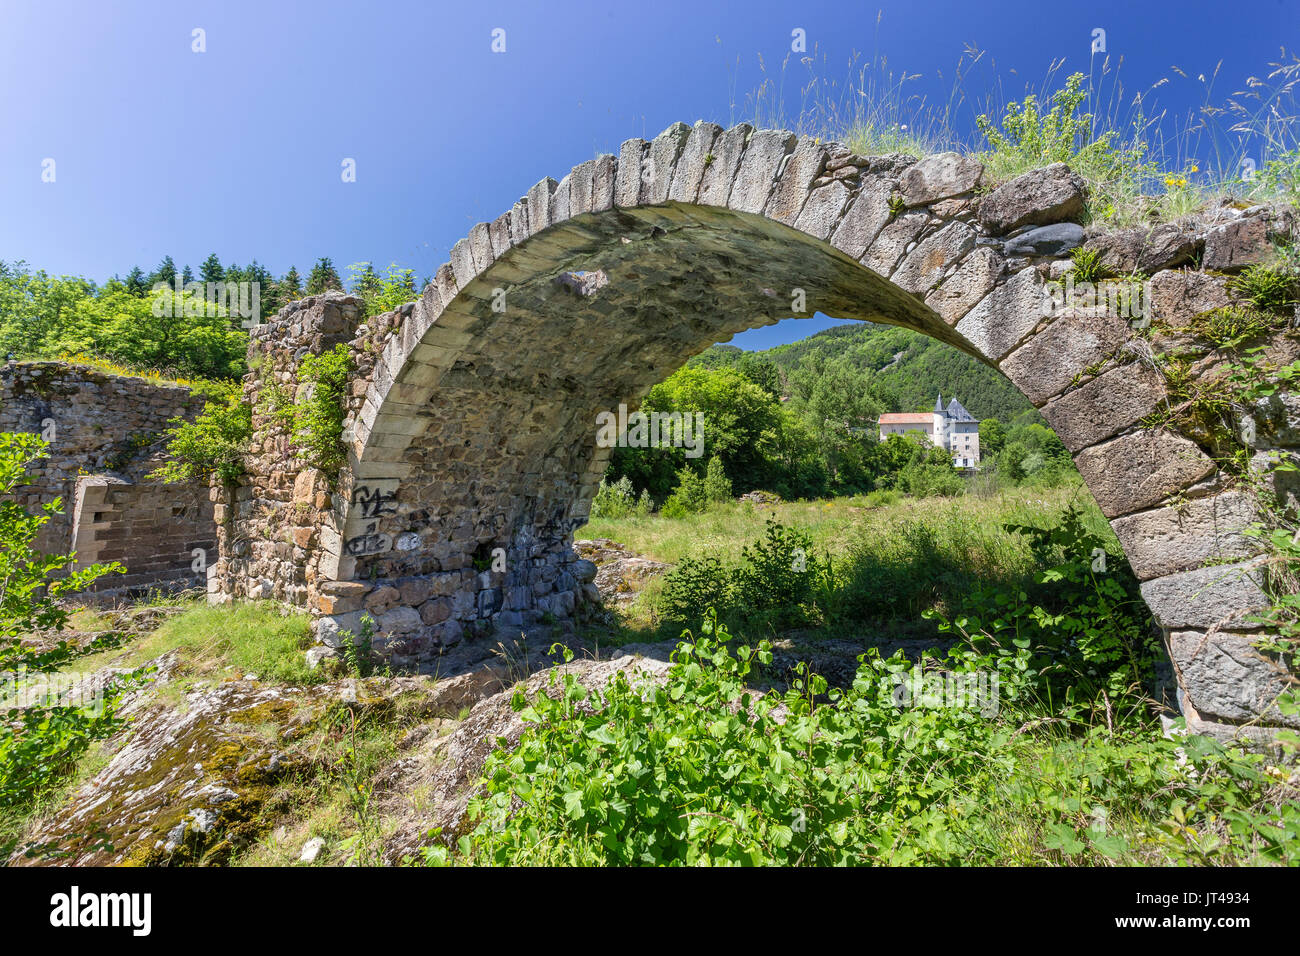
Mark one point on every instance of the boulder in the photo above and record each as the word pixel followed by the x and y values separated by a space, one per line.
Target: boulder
pixel 1146 250
pixel 940 176
pixel 1039 197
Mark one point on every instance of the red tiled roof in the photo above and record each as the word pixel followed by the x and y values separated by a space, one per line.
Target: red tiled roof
pixel 906 418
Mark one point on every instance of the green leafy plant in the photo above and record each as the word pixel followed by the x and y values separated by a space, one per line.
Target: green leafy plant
pixel 1090 632
pixel 945 761
pixel 318 418
pixel 214 444
pixel 1231 325
pixel 1029 137
pixel 356 648
pixel 41 739
pixel 1274 289
pixel 1087 266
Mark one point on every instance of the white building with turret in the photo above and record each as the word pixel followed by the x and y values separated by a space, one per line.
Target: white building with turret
pixel 950 427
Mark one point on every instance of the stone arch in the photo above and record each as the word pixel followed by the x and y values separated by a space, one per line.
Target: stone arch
pixel 472 420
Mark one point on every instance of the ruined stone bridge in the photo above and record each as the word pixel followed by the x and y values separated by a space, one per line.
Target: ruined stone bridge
pixel 471 419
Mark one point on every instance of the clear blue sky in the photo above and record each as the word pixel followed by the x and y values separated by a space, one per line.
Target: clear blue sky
pixel 163 151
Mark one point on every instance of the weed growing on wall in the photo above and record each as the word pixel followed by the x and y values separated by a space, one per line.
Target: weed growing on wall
pixel 318 418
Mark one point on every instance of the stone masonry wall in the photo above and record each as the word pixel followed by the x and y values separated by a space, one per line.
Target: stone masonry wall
pixel 106 435
pixel 427 585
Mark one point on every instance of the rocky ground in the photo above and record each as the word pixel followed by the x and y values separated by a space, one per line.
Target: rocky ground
pixel 216 770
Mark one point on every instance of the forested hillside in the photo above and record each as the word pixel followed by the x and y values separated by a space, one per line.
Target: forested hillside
pixel 904 369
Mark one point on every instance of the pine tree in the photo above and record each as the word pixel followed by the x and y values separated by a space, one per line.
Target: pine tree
pixel 136 282
pixel 256 272
pixel 717 486
pixel 323 277
pixel 291 284
pixel 166 272
pixel 187 276
pixel 211 270
pixel 367 284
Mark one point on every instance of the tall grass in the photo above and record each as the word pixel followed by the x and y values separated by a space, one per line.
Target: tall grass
pixel 888 562
pixel 1141 162
pixel 259 638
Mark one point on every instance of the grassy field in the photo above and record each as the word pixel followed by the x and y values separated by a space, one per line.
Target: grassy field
pixel 891 558
pixel 836 525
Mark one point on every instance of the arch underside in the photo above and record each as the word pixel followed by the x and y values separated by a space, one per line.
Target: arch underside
pixel 503 452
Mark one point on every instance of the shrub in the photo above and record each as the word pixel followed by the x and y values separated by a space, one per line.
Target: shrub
pixel 42 741
pixel 214 443
pixel 696 583
pixel 779 572
pixel 613 501
pixel 717 486
pixel 777 578
pixel 689 497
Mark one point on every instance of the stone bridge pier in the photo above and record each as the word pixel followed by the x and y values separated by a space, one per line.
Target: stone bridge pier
pixel 472 417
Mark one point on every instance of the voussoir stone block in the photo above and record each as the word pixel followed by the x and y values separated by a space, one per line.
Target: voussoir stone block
pixel 1037 198
pixel 727 150
pixel 462 263
pixel 627 184
pixel 1226 678
pixel 581 178
pixel 940 176
pixel 963 290
pixel 657 177
pixel 1187 536
pixel 1047 363
pixel 893 241
pixel 1218 596
pixel 923 267
pixel 764 154
pixel 539 205
pixel 791 190
pixel 1006 315
pixel 697 156
pixel 822 210
pixel 1177 296
pixel 1104 406
pixel 499 232
pixel 603 182
pixel 867 214
pixel 1141 469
